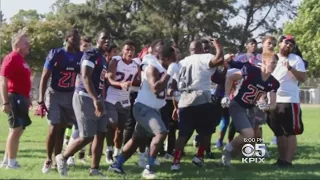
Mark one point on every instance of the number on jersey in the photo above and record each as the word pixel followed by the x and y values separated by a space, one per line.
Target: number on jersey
pixel 253 95
pixel 67 76
pixel 122 75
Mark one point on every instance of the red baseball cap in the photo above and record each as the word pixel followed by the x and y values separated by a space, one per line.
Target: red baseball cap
pixel 289 38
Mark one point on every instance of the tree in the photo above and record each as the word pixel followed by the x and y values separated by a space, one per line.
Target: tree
pixel 261 15
pixel 305 29
pixel 43 34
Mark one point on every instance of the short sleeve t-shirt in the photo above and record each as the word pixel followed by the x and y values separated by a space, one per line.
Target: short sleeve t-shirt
pixel 195 80
pixel 288 91
pixel 200 71
pixel 18 73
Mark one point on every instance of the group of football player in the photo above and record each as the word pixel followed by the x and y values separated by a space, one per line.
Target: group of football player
pixel 140 100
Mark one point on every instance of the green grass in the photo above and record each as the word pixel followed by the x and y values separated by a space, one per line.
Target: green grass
pixel 306 164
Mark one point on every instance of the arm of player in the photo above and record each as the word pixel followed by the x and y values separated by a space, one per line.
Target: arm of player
pixel 112 70
pixel 273 100
pixel 4 89
pixel 46 73
pixel 173 89
pixel 236 76
pixel 298 70
pixel 156 82
pixel 300 76
pixel 218 59
pixel 87 69
pixel 137 78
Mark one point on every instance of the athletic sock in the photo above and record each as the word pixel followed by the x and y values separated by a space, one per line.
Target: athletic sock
pixel 201 150
pixel 117 152
pixel 120 160
pixel 109 148
pixel 12 162
pixel 151 161
pixel 177 156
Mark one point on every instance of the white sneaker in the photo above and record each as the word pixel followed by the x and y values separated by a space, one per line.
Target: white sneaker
pixel 46 167
pixel 71 161
pixel 97 172
pixel 142 163
pixel 3 164
pixel 142 160
pixel 15 166
pixel 274 141
pixel 226 158
pixel 61 165
pixel 175 167
pixel 148 173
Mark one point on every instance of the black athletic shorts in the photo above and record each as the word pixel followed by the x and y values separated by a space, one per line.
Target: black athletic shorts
pixel 19 115
pixel 286 119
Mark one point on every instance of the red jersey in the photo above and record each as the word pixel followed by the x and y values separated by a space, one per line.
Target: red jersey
pixel 18 73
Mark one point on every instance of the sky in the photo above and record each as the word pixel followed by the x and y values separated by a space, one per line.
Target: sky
pixel 11 7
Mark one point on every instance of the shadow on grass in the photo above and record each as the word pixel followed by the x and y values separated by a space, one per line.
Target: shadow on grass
pixel 32 153
pixel 304 152
pixel 247 171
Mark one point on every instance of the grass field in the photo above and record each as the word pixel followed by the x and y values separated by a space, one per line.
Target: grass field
pixel 306 164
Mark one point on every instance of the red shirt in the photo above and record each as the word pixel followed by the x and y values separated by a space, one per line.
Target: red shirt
pixel 18 73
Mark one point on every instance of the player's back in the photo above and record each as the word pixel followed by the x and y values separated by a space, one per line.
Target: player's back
pixel 195 72
pixel 125 72
pixel 145 95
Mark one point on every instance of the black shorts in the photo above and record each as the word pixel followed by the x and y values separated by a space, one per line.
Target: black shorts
pixel 197 118
pixel 217 112
pixel 166 113
pixel 19 115
pixel 286 119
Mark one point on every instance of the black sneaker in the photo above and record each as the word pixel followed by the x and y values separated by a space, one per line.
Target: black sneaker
pixel 209 155
pixel 279 162
pixel 283 164
pixel 109 158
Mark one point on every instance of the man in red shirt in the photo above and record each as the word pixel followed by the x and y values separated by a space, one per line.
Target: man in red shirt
pixel 15 82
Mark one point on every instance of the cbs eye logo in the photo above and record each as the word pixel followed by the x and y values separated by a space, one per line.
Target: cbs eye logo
pixel 259 150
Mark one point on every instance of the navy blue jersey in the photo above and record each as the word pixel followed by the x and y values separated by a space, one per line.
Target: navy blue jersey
pixel 94 58
pixel 219 78
pixel 253 87
pixel 64 67
pixel 238 64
